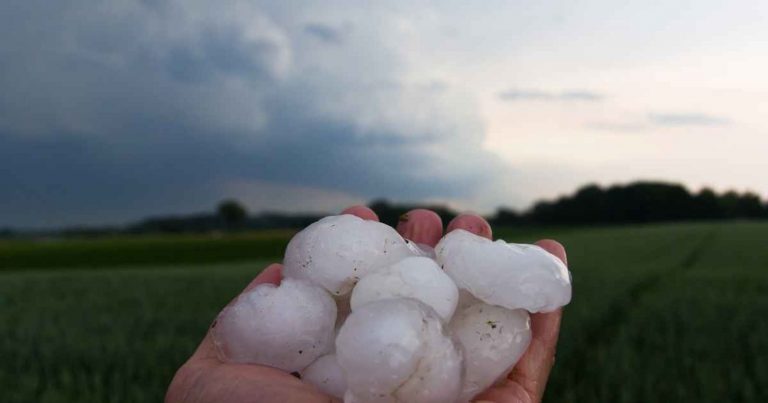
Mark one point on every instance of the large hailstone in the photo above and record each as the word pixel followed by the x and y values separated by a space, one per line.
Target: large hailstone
pixel 493 340
pixel 337 251
pixel 509 275
pixel 396 350
pixel 286 327
pixel 414 277
pixel 326 374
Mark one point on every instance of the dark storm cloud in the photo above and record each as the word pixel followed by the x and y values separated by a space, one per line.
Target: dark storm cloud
pixel 116 111
pixel 512 95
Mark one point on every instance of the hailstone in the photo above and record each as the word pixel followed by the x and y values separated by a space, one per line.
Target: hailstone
pixel 286 327
pixel 493 340
pixel 337 251
pixel 414 277
pixel 396 350
pixel 326 374
pixel 509 275
pixel 370 317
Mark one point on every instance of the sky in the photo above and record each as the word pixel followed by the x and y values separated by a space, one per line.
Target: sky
pixel 111 111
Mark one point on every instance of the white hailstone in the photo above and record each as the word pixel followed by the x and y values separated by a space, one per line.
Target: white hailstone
pixel 286 327
pixel 493 340
pixel 420 249
pixel 509 275
pixel 396 350
pixel 337 251
pixel 413 277
pixel 326 374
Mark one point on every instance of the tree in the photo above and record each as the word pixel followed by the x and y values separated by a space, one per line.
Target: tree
pixel 232 212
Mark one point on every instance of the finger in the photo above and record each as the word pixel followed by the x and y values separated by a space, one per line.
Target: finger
pixel 361 211
pixel 532 371
pixel 270 275
pixel 555 248
pixel 421 226
pixel 507 392
pixel 472 223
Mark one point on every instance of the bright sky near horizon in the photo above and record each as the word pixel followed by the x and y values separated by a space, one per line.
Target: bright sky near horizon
pixel 115 111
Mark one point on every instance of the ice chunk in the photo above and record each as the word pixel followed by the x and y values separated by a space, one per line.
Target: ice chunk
pixel 326 374
pixel 286 327
pixel 414 277
pixel 337 251
pixel 509 275
pixel 493 340
pixel 396 350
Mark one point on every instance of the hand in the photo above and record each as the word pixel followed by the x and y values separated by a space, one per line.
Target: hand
pixel 206 379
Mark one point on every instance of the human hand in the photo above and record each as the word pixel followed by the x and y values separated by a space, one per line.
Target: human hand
pixel 206 379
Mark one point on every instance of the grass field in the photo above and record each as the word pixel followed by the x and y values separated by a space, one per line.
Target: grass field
pixel 661 313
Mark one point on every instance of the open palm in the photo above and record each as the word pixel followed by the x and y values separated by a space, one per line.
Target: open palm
pixel 206 379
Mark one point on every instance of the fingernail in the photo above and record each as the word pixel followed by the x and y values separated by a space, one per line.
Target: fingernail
pixel 361 211
pixel 421 226
pixel 472 223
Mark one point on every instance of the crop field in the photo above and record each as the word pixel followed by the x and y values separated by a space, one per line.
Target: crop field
pixel 673 313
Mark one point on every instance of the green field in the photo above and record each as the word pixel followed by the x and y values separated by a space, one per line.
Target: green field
pixel 672 313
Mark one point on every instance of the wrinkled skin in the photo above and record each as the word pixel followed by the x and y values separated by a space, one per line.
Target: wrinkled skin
pixel 205 379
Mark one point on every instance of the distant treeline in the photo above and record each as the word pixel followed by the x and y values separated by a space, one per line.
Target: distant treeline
pixel 638 202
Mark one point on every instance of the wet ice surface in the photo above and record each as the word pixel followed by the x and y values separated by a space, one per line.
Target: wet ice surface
pixel 337 251
pixel 285 327
pixel 414 277
pixel 326 374
pixel 365 315
pixel 419 249
pixel 396 350
pixel 493 340
pixel 509 275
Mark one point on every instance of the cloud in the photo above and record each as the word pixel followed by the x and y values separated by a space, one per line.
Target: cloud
pixel 120 110
pixel 626 127
pixel 513 95
pixel 687 119
pixel 325 33
pixel 660 120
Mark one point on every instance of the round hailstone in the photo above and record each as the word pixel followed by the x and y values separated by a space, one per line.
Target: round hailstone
pixel 337 251
pixel 509 275
pixel 285 327
pixel 493 339
pixel 396 350
pixel 413 277
pixel 326 374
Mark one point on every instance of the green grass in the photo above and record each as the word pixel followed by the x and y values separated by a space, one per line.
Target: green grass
pixel 660 313
pixel 142 250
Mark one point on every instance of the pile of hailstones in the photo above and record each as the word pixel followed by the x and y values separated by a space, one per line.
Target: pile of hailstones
pixel 367 316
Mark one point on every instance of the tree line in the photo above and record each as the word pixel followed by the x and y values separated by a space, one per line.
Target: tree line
pixel 638 202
